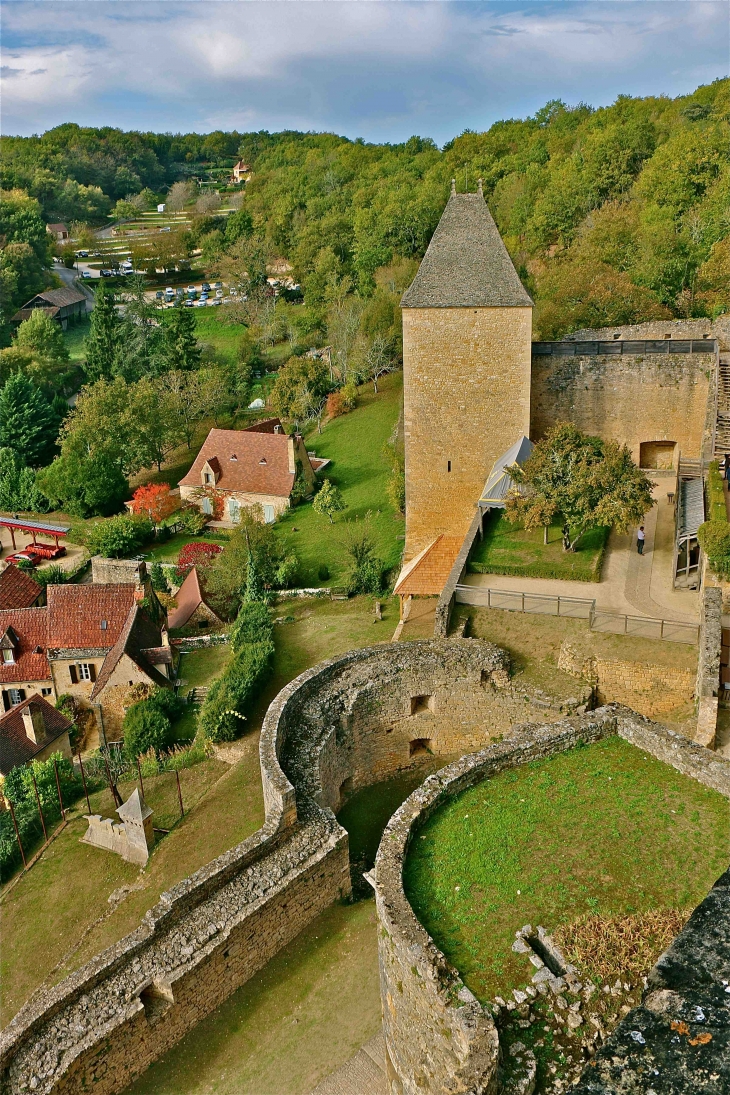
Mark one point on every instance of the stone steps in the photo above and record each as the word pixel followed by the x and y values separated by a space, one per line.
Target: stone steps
pixel 722 423
pixel 363 1074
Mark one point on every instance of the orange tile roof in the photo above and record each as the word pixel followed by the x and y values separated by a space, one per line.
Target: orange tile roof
pixel 29 627
pixel 426 574
pixel 87 616
pixel 17 589
pixel 256 463
pixel 189 597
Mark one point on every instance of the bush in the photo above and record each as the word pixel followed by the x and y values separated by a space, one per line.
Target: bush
pixel 190 520
pixel 195 555
pixel 714 538
pixel 252 625
pixel 148 724
pixel 157 576
pixel 119 536
pixel 323 573
pixel 52 575
pixel 336 404
pixel 286 571
pixel 228 698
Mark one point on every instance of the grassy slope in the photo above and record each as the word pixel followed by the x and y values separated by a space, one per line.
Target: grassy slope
pixel 509 549
pixel 601 829
pixel 354 444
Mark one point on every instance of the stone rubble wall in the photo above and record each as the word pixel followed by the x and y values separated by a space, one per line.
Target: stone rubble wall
pixel 708 668
pixel 652 690
pixel 439 1038
pixel 348 719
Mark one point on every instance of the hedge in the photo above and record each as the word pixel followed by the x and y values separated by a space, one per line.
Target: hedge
pixel 232 694
pixel 18 787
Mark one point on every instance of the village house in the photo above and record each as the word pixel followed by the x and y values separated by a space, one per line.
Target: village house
pixel 257 466
pixel 94 642
pixel 33 730
pixel 241 171
pixel 18 589
pixel 192 608
pixel 59 232
pixel 64 305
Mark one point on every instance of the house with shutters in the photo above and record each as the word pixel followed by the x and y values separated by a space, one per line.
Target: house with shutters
pixel 96 642
pixel 257 466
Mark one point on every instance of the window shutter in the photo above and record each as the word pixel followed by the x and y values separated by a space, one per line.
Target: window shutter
pixel 6 701
pixel 73 674
pixel 92 671
pixel 21 693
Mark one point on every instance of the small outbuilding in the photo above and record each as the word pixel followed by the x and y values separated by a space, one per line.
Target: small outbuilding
pixel 59 232
pixel 192 607
pixel 65 305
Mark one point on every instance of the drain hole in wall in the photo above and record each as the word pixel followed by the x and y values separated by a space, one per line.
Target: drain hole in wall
pixel 156 998
pixel 419 746
pixel 421 704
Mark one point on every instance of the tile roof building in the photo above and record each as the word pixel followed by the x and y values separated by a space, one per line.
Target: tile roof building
pixel 17 589
pixel 62 304
pixel 93 641
pixel 32 730
pixel 192 607
pixel 253 467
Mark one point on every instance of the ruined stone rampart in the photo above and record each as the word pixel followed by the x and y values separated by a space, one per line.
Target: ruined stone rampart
pixel 346 723
pixel 438 1037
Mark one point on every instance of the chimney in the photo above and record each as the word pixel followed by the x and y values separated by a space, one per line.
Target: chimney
pixel 34 725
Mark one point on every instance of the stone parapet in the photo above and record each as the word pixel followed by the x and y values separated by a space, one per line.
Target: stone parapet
pixel 439 1038
pixel 708 666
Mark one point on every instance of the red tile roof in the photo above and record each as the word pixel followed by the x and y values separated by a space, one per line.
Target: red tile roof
pixel 138 633
pixel 30 628
pixel 267 425
pixel 255 463
pixel 189 596
pixel 426 574
pixel 87 616
pixel 17 589
pixel 15 746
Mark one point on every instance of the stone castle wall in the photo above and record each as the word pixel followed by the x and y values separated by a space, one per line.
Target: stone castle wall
pixel 102 1026
pixel 466 397
pixel 652 690
pixel 660 328
pixel 438 1037
pixel 631 398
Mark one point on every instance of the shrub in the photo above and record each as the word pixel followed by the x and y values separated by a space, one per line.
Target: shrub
pixel 336 404
pixel 52 575
pixel 323 573
pixel 714 538
pixel 190 520
pixel 252 625
pixel 157 576
pixel 228 698
pixel 367 569
pixel 119 536
pixel 148 724
pixel 286 571
pixel 195 555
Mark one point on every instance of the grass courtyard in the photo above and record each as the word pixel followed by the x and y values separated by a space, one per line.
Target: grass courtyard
pixel 600 830
pixel 510 549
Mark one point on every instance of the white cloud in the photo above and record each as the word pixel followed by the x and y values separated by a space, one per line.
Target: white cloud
pixel 383 70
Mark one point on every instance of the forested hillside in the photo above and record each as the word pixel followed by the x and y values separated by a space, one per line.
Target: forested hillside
pixel 611 215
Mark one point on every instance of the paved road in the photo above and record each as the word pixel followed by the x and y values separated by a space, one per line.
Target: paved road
pixel 70 278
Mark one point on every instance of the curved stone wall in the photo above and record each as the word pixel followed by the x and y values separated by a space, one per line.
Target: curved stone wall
pixel 347 722
pixel 438 1036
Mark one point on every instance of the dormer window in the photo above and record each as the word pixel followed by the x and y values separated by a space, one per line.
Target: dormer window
pixel 104 625
pixel 208 478
pixel 262 460
pixel 8 656
pixel 8 646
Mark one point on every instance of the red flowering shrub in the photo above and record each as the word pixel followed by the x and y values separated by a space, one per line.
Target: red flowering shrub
pixel 197 555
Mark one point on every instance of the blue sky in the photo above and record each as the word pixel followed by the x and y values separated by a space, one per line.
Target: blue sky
pixel 378 70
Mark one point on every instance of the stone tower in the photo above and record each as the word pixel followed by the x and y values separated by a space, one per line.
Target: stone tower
pixel 467 331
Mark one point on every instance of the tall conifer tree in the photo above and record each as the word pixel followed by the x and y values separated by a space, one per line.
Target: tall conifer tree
pixel 101 345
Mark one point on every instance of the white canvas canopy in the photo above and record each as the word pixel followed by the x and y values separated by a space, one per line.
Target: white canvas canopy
pixel 500 482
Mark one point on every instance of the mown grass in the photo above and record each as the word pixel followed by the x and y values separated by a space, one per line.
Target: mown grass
pixel 354 445
pixel 510 549
pixel 602 829
pixel 74 337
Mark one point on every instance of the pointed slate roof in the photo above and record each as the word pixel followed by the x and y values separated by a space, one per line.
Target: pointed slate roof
pixel 466 264
pixel 500 482
pixel 135 808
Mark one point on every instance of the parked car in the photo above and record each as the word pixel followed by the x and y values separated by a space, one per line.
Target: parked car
pixel 214 302
pixel 188 303
pixel 86 274
pixel 179 293
pixel 200 303
pixel 166 228
pixel 24 557
pixel 159 295
pixel 218 285
pixel 106 273
pixel 219 292
pixel 82 254
pixel 205 287
pixel 169 292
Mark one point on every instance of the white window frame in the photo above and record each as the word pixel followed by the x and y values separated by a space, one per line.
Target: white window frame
pixel 8 656
pixel 14 696
pixel 269 514
pixel 83 670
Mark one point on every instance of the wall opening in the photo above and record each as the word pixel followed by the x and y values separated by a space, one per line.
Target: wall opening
pixel 421 704
pixel 657 454
pixel 156 998
pixel 346 788
pixel 419 747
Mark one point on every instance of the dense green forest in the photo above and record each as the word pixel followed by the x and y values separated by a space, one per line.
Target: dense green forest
pixel 613 215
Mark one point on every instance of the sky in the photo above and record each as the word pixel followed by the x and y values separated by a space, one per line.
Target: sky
pixel 363 68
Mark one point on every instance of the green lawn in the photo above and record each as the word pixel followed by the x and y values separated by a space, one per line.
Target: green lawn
pixel 509 549
pixel 74 338
pixel 168 551
pixel 602 829
pixel 354 444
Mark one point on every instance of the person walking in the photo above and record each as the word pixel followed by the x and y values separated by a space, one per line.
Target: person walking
pixel 640 537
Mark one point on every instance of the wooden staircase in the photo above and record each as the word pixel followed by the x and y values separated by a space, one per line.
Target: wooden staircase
pixel 722 424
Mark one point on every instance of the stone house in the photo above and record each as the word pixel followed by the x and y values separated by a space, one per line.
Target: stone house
pixel 59 232
pixel 256 466
pixel 241 171
pixel 192 608
pixel 95 642
pixel 18 589
pixel 64 305
pixel 32 731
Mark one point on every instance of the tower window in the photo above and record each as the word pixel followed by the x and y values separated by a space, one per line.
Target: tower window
pixel 448 465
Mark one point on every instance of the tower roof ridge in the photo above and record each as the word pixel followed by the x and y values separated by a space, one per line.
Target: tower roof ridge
pixel 466 264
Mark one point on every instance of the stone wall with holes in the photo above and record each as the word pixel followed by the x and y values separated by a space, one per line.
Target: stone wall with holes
pixel 438 1037
pixel 652 690
pixel 631 398
pixel 351 721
